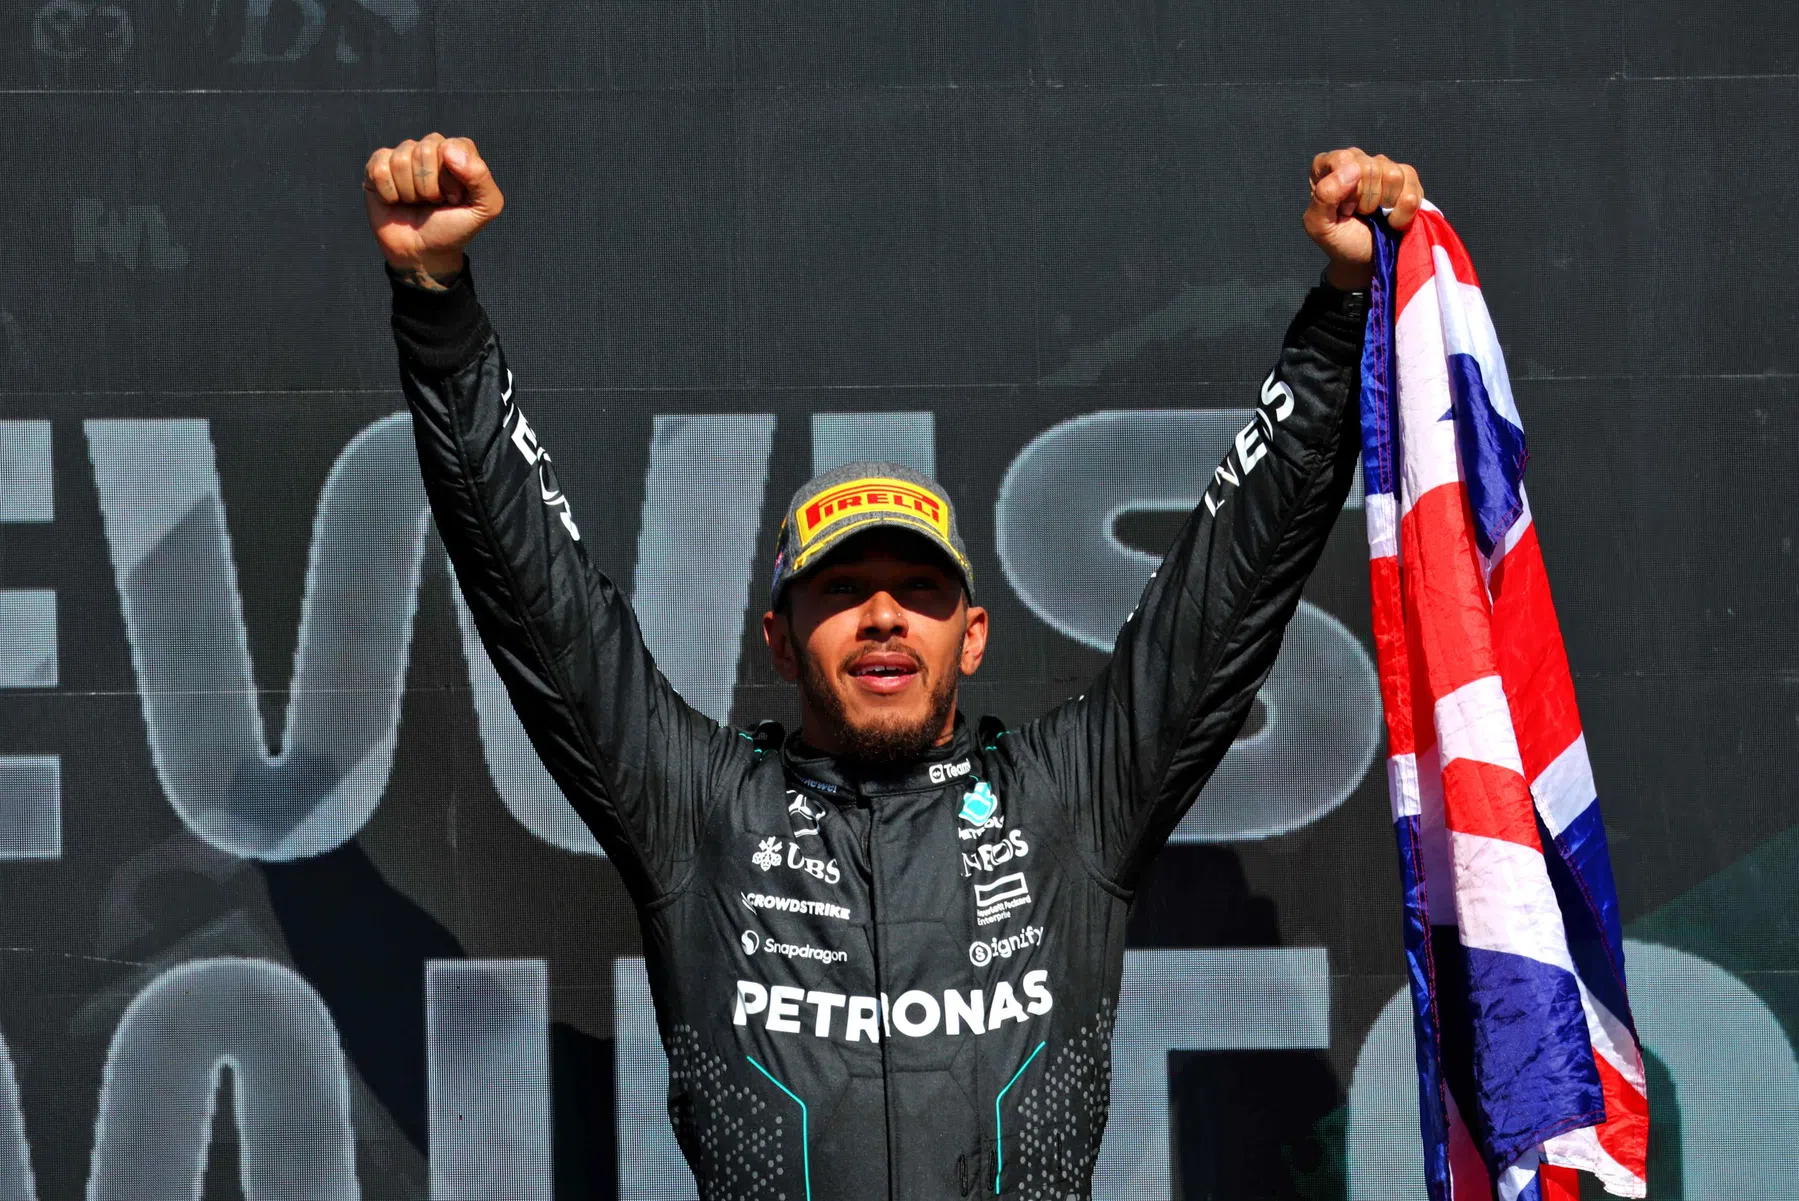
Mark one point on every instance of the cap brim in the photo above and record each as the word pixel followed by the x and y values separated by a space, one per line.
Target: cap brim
pixel 839 539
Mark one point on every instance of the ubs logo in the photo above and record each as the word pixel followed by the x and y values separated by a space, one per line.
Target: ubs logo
pixel 768 857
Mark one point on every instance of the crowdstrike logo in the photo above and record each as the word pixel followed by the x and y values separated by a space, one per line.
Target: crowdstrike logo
pixel 761 900
pixel 914 1014
pixel 943 773
pixel 982 953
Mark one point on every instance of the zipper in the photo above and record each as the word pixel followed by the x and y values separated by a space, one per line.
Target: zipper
pixel 874 950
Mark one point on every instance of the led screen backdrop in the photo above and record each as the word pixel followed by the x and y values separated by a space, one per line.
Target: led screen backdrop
pixel 288 907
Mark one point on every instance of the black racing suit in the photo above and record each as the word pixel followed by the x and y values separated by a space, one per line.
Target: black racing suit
pixel 899 984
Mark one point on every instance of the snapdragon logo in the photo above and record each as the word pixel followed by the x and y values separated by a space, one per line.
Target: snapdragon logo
pixel 790 950
pixel 914 1014
pixel 981 953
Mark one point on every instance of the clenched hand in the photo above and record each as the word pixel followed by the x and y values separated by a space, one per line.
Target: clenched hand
pixel 1345 185
pixel 426 201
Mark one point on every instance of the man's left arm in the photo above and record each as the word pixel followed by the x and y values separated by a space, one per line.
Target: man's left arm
pixel 1133 752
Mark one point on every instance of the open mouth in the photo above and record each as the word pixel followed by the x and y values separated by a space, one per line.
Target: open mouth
pixel 884 671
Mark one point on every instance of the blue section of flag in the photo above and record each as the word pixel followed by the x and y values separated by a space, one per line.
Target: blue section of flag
pixel 1433 1122
pixel 1378 425
pixel 1533 1065
pixel 1493 454
pixel 1580 873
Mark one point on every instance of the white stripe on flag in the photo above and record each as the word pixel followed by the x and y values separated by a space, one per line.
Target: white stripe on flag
pixel 1517 1176
pixel 1468 329
pixel 1504 901
pixel 1475 722
pixel 1513 535
pixel 1612 1040
pixel 1564 790
pixel 1402 785
pixel 1579 1149
pixel 1429 457
pixel 1433 841
pixel 1378 508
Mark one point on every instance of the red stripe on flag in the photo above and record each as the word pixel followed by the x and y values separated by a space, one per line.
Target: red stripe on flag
pixel 1437 229
pixel 1556 1183
pixel 1417 265
pixel 1625 1134
pixel 1390 653
pixel 1412 269
pixel 1488 800
pixel 1467 1170
pixel 1532 661
pixel 1445 596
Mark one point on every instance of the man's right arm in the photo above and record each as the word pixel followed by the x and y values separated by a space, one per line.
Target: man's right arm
pixel 627 752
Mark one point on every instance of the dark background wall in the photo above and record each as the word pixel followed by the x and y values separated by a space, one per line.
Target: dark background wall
pixel 998 218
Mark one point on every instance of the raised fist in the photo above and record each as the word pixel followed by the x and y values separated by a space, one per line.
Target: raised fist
pixel 1346 185
pixel 427 200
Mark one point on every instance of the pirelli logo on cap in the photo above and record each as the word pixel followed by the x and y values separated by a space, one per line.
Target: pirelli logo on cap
pixel 860 497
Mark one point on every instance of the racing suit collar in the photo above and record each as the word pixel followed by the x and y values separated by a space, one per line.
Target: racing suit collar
pixel 841 780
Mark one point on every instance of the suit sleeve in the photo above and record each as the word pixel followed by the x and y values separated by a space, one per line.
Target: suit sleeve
pixel 1131 754
pixel 629 754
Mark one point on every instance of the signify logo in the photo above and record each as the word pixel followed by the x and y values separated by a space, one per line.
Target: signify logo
pixel 981 953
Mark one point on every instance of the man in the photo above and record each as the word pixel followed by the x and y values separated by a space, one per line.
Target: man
pixel 885 951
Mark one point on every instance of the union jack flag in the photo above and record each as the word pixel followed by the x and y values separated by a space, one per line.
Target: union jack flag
pixel 1529 1067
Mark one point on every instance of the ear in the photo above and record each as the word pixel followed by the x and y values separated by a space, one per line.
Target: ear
pixel 779 636
pixel 974 640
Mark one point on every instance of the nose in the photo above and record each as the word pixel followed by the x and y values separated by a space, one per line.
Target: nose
pixel 883 617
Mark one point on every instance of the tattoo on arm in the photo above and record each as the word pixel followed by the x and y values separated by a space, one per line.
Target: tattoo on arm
pixel 420 278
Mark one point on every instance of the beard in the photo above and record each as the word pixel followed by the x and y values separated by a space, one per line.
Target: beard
pixel 880 744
